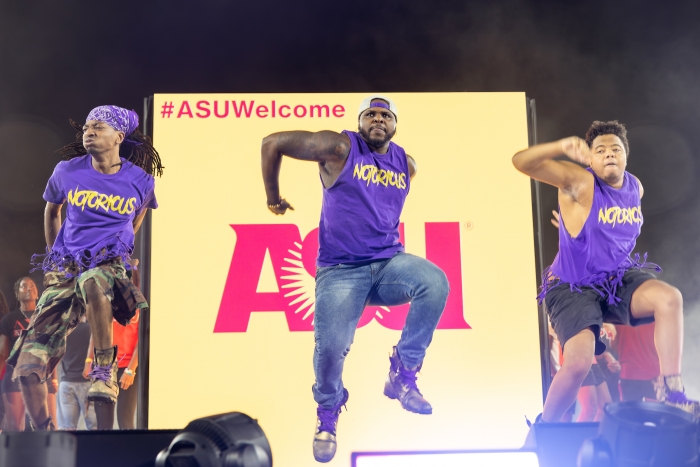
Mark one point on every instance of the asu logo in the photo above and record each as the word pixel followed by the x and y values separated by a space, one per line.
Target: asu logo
pixel 294 264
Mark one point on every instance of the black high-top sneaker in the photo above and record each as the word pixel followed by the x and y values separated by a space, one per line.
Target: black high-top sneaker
pixel 326 425
pixel 401 384
pixel 104 376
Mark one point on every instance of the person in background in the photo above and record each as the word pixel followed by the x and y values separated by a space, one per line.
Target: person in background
pixel 608 362
pixel 73 386
pixel 593 395
pixel 4 309
pixel 639 362
pixel 11 326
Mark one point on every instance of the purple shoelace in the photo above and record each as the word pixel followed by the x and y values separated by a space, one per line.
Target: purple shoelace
pixel 103 373
pixel 409 379
pixel 329 417
pixel 677 397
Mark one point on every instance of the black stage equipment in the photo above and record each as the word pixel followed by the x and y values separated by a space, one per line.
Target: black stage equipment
pixel 39 449
pixel 227 440
pixel 120 448
pixel 558 444
pixel 636 434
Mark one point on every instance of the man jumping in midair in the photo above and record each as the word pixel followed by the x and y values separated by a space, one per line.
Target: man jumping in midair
pixel 594 277
pixel 361 262
pixel 107 181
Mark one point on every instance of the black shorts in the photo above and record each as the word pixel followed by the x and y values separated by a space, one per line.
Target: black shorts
pixel 637 390
pixel 572 312
pixel 7 385
pixel 595 376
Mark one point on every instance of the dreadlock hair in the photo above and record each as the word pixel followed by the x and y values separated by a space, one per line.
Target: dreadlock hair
pixel 143 155
pixel 18 282
pixel 612 127
pixel 4 309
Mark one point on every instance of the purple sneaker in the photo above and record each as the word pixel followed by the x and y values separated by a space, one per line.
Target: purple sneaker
pixel 324 440
pixel 401 384
pixel 670 391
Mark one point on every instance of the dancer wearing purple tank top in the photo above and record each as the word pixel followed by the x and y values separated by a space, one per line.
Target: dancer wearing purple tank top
pixel 594 277
pixel 365 179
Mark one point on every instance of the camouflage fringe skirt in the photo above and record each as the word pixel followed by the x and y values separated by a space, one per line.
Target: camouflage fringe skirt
pixel 42 345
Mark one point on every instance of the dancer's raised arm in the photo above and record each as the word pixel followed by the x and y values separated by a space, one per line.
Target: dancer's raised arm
pixel 328 148
pixel 540 163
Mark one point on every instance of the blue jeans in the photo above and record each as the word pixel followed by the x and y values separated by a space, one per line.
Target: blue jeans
pixel 343 291
pixel 71 402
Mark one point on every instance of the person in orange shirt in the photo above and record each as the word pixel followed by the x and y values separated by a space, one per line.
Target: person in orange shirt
pixel 639 361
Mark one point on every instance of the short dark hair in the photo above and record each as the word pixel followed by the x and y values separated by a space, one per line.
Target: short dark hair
pixel 612 127
pixel 18 282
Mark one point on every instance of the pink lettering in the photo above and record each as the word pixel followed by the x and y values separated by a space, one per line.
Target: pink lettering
pixel 200 106
pixel 260 110
pixel 216 109
pixel 319 108
pixel 442 247
pixel 283 107
pixel 240 297
pixel 185 110
pixel 303 114
pixel 244 109
pixel 338 111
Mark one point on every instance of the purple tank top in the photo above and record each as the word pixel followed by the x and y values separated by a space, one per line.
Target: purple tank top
pixel 600 254
pixel 361 210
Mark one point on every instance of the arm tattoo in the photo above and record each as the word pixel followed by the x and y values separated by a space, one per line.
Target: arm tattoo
pixel 319 147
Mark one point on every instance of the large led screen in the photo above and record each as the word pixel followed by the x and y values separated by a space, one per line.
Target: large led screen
pixel 232 285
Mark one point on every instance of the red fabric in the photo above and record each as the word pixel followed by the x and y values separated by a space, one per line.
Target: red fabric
pixel 126 338
pixel 637 352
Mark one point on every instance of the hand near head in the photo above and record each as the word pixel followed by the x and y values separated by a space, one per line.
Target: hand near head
pixel 280 208
pixel 577 150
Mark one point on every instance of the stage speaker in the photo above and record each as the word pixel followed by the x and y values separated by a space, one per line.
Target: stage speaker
pixel 119 448
pixel 227 440
pixel 558 444
pixel 40 449
pixel 637 434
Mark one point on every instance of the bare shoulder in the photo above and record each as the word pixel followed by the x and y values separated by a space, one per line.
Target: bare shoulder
pixel 412 166
pixel 641 187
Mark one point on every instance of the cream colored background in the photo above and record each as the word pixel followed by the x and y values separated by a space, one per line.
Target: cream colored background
pixel 481 382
